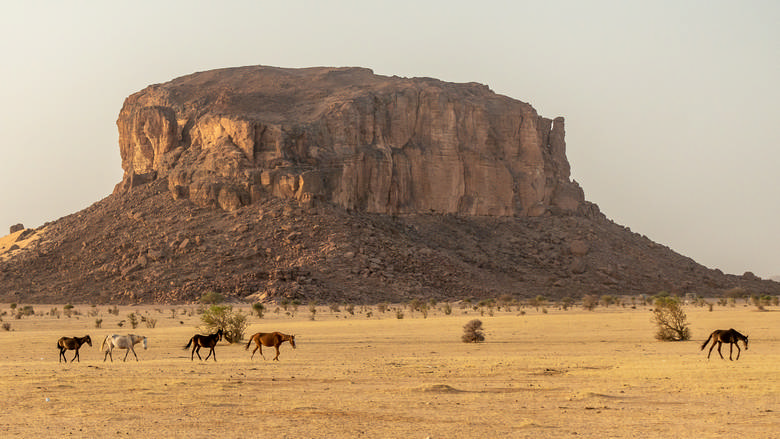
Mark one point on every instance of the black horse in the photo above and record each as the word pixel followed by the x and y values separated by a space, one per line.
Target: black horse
pixel 206 341
pixel 730 336
pixel 70 344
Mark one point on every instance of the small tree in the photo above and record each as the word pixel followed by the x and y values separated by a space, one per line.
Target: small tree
pixel 133 319
pixel 212 298
pixel 472 332
pixel 670 319
pixel 259 309
pixel 232 324
pixel 590 301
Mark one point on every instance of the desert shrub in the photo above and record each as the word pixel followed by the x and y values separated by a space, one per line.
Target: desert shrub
pixel 350 308
pixel 114 310
pixel 399 314
pixel 211 298
pixel 590 301
pixel 151 322
pixel 259 309
pixel 382 307
pixel 334 307
pixel 233 324
pixel 671 320
pixel 447 309
pixel 472 332
pixel 607 300
pixel 312 310
pixel 55 312
pixel 7 326
pixel 98 323
pixel 133 319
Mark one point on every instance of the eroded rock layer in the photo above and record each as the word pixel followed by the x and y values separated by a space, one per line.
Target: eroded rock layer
pixel 232 137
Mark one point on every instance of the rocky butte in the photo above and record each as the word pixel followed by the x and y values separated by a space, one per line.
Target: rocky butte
pixel 336 184
pixel 390 145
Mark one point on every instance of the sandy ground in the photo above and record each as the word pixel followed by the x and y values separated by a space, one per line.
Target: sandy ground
pixel 569 373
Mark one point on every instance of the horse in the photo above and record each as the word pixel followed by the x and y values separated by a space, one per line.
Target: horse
pixel 121 342
pixel 207 341
pixel 730 336
pixel 269 339
pixel 72 343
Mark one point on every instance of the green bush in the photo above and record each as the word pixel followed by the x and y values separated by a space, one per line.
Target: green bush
pixel 259 309
pixel 212 298
pixel 233 324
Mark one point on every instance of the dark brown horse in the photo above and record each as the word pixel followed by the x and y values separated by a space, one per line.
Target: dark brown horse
pixel 730 336
pixel 269 339
pixel 70 344
pixel 206 341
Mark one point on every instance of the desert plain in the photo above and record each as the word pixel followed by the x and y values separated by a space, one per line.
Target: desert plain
pixel 560 373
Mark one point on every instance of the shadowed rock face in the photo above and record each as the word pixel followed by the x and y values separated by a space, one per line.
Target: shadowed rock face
pixel 232 137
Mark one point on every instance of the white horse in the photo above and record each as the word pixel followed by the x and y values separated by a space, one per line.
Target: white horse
pixel 121 342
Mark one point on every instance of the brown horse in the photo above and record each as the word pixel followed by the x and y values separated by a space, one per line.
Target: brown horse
pixel 730 336
pixel 207 341
pixel 269 339
pixel 72 343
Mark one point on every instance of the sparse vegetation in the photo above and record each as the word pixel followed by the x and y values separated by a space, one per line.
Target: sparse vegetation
pixel 670 319
pixel 133 319
pixel 211 298
pixel 259 309
pixel 233 324
pixel 472 332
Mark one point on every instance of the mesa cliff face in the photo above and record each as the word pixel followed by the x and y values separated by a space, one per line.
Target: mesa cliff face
pixel 231 137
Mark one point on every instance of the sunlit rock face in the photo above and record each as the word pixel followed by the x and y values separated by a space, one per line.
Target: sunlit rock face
pixel 230 137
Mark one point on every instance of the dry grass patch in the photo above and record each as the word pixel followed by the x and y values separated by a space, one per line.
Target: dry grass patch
pixel 592 374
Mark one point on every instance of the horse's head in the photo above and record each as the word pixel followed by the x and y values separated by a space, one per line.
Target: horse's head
pixel 746 342
pixel 145 345
pixel 219 334
pixel 89 340
pixel 292 341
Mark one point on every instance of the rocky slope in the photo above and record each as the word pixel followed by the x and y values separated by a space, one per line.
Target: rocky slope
pixel 334 185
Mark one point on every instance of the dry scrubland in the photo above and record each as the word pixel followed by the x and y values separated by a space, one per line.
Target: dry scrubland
pixel 562 374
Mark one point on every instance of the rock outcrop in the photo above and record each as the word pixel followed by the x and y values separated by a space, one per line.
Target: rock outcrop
pixel 391 145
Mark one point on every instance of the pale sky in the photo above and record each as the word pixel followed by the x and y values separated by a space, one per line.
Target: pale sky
pixel 671 107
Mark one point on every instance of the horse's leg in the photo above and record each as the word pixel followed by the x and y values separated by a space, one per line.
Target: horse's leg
pixel 127 352
pixel 277 353
pixel 196 349
pixel 76 356
pixel 62 356
pixel 720 344
pixel 260 346
pixel 738 349
pixel 710 352
pixel 253 353
pixel 134 354
pixel 211 352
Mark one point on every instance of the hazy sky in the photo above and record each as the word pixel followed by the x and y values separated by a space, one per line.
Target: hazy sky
pixel 671 107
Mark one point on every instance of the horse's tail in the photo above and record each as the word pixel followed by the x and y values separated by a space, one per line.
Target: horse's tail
pixel 189 343
pixel 103 345
pixel 706 341
pixel 249 343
